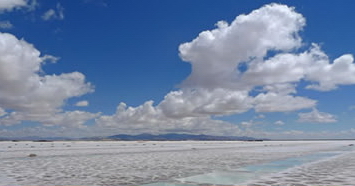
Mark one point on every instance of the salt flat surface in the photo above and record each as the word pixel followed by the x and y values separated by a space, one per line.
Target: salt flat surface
pixel 336 171
pixel 138 163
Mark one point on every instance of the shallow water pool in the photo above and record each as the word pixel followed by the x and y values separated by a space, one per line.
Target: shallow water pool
pixel 251 172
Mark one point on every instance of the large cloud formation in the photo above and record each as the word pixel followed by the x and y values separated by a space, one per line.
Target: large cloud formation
pixel 147 118
pixel 255 62
pixel 27 94
pixel 215 54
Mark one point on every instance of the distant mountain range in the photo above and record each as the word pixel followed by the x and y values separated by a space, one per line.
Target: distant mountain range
pixel 141 137
pixel 177 137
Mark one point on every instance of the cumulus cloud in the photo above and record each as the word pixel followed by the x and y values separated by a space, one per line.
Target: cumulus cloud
pixel 316 117
pixel 215 54
pixel 82 103
pixel 201 102
pixel 70 118
pixel 26 93
pixel 330 75
pixel 181 111
pixel 6 25
pixel 254 62
pixel 273 102
pixel 52 14
pixel 312 66
pixel 148 118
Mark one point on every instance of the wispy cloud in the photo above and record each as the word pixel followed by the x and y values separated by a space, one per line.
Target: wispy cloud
pixel 279 122
pixel 6 25
pixel 57 13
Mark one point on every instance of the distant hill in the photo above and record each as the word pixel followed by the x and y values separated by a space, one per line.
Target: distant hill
pixel 178 137
pixel 139 137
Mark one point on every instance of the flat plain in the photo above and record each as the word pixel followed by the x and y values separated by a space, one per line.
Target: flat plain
pixel 147 162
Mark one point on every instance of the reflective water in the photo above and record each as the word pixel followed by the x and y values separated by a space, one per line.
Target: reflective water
pixel 248 173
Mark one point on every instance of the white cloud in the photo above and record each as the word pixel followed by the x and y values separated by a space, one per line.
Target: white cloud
pixel 82 103
pixel 70 118
pixel 232 72
pixel 52 14
pixel 6 25
pixel 316 117
pixel 279 122
pixel 282 68
pixel 330 75
pixel 147 118
pixel 273 102
pixel 202 102
pixel 280 98
pixel 247 124
pixel 27 93
pixel 215 55
pixel 73 119
pixel 293 133
pixel 219 86
pixel 9 5
pixel 49 58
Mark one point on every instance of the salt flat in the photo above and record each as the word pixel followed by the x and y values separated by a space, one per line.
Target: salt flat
pixel 138 163
pixel 335 171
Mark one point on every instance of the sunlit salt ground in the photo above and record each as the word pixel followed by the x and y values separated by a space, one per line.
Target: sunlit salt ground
pixel 178 163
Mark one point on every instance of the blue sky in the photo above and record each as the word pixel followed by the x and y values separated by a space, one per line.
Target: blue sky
pixel 104 67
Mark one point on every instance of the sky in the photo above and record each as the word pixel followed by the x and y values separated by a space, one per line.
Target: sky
pixel 81 68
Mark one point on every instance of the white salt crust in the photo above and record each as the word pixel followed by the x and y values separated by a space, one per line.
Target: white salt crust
pixel 137 163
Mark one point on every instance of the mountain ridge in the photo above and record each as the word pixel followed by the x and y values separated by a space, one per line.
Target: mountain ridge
pixel 139 137
pixel 178 137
